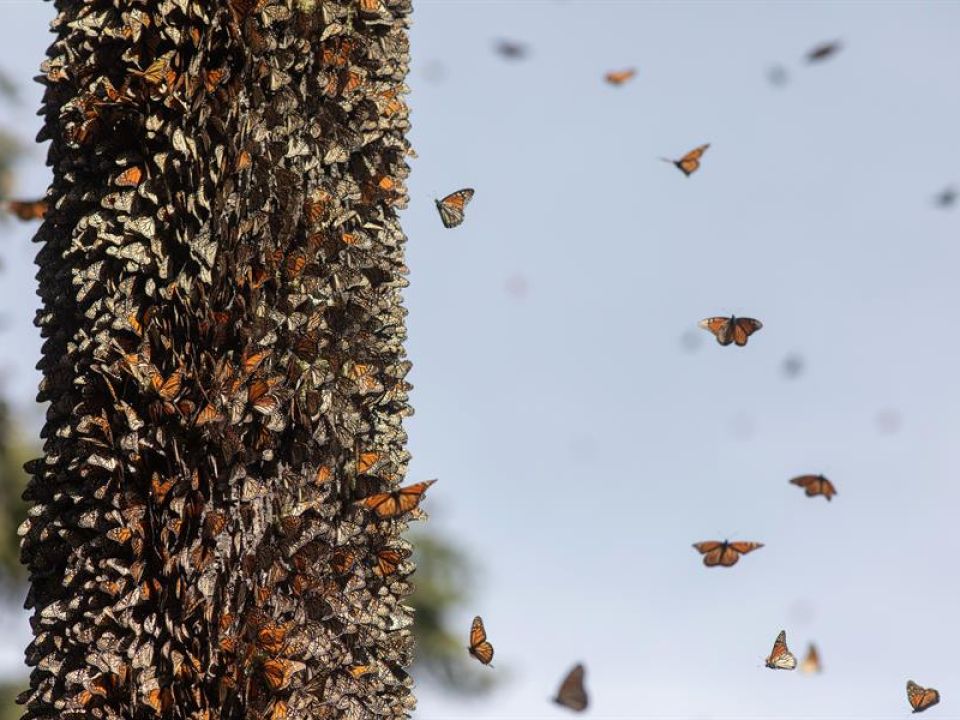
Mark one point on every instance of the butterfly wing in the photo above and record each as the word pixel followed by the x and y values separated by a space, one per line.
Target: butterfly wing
pixel 572 693
pixel 619 77
pixel 811 663
pixel 815 485
pixel 451 207
pixel 745 547
pixel 409 496
pixel 720 327
pixel 480 648
pixel 690 162
pixel 921 698
pixel 780 657
pixel 712 551
pixel 388 505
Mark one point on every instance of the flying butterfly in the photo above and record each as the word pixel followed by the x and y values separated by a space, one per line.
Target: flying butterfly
pixel 510 49
pixel 724 553
pixel 946 197
pixel 811 663
pixel 815 485
pixel 731 329
pixel 480 647
pixel 26 209
pixel 451 207
pixel 823 51
pixel 690 162
pixel 392 504
pixel 572 693
pixel 921 698
pixel 780 657
pixel 619 77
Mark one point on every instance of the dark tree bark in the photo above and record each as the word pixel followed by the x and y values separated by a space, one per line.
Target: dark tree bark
pixel 220 273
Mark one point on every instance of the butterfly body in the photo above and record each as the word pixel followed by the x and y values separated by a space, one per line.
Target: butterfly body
pixel 724 554
pixel 572 693
pixel 731 329
pixel 921 698
pixel 451 207
pixel 780 657
pixel 814 485
pixel 690 162
pixel 479 646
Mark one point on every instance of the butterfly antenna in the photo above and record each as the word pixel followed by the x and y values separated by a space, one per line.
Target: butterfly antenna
pixel 672 162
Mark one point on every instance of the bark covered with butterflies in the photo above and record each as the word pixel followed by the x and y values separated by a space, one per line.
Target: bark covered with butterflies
pixel 220 271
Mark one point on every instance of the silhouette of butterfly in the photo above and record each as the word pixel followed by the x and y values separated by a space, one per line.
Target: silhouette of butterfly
pixel 823 51
pixel 480 648
pixel 946 197
pixel 921 698
pixel 780 657
pixel 690 162
pixel 451 207
pixel 815 485
pixel 511 49
pixel 724 553
pixel 619 77
pixel 572 693
pixel 392 504
pixel 811 663
pixel 731 329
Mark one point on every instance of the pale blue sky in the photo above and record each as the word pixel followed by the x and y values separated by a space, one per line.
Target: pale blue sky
pixel 580 449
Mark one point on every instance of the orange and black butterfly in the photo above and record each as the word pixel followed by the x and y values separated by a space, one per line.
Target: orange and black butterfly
pixel 572 693
pixel 780 657
pixel 619 77
pixel 389 559
pixel 823 51
pixel 921 698
pixel 451 207
pixel 26 209
pixel 690 162
pixel 480 647
pixel 724 553
pixel 731 329
pixel 815 485
pixel 392 504
pixel 811 663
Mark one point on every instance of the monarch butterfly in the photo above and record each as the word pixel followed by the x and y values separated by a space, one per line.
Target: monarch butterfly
pixel 130 177
pixel 572 693
pixel 690 162
pixel 823 51
pixel 780 657
pixel 811 663
pixel 619 77
pixel 815 485
pixel 388 505
pixel 388 559
pixel 724 553
pixel 26 209
pixel 731 329
pixel 480 648
pixel 921 698
pixel 451 207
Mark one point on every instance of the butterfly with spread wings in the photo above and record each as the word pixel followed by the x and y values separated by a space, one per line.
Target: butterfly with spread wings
pixel 814 485
pixel 811 663
pixel 731 329
pixel 724 554
pixel 690 162
pixel 480 647
pixel 451 207
pixel 780 657
pixel 572 694
pixel 921 698
pixel 387 505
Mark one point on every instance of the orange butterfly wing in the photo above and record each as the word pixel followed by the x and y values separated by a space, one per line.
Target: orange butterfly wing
pixel 479 647
pixel 743 328
pixel 618 77
pixel 572 694
pixel 388 505
pixel 451 207
pixel 690 162
pixel 720 327
pixel 811 663
pixel 921 698
pixel 815 485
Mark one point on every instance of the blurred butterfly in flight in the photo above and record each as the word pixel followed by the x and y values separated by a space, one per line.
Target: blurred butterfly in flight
pixel 690 162
pixel 815 485
pixel 619 77
pixel 823 51
pixel 572 693
pixel 451 207
pixel 921 698
pixel 811 663
pixel 731 329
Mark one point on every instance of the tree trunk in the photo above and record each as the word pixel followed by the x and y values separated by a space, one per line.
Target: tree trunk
pixel 220 273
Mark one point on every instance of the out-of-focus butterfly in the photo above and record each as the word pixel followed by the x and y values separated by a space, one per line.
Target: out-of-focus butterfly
pixel 823 51
pixel 946 197
pixel 572 693
pixel 731 329
pixel 777 75
pixel 392 504
pixel 619 77
pixel 811 663
pixel 480 647
pixel 26 209
pixel 510 49
pixel 921 698
pixel 724 553
pixel 451 207
pixel 690 162
pixel 780 657
pixel 815 485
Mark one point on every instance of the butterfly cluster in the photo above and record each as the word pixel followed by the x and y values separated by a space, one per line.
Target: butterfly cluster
pixel 217 519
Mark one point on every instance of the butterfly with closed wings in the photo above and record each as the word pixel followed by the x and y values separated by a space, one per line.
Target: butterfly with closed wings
pixel 811 663
pixel 921 698
pixel 480 647
pixel 780 657
pixel 451 207
pixel 571 693
pixel 690 162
